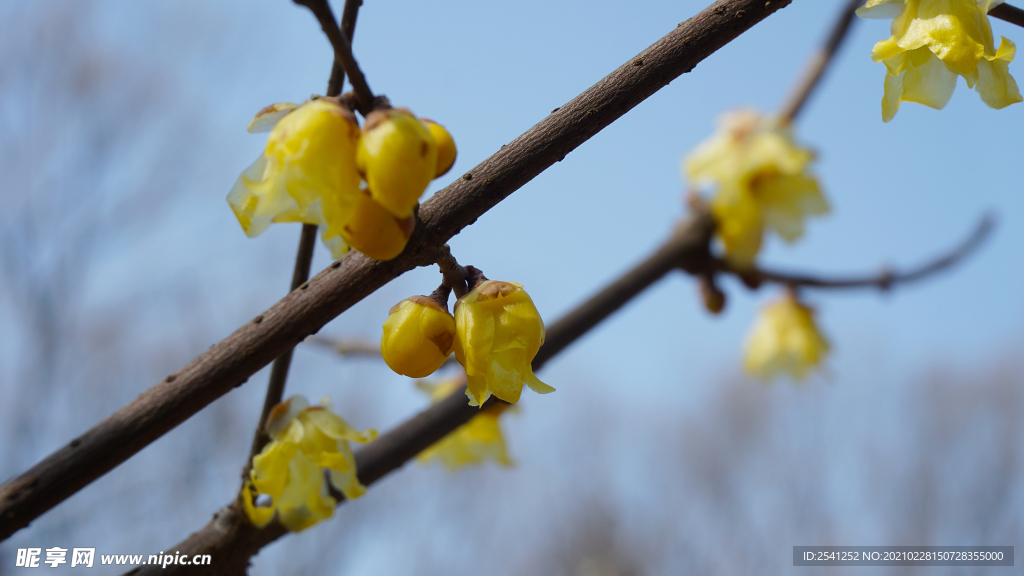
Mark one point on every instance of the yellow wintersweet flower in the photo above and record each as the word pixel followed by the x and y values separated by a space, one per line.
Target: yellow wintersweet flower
pixel 474 442
pixel 290 469
pixel 932 42
pixel 498 331
pixel 306 173
pixel 419 334
pixel 784 339
pixel 763 182
pixel 397 156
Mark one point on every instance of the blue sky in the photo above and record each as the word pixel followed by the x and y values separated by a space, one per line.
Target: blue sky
pixel 901 193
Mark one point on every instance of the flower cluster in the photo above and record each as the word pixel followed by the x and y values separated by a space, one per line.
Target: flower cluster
pixel 784 340
pixel 762 181
pixel 313 165
pixel 474 442
pixel 306 440
pixel 495 333
pixel 933 42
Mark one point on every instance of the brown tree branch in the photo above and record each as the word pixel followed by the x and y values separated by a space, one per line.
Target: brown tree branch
pixel 342 51
pixel 883 280
pixel 304 311
pixel 819 63
pixel 303 262
pixel 1008 13
pixel 231 539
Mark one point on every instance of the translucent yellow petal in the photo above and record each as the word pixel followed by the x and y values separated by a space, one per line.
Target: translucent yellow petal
pixel 305 500
pixel 885 50
pixel 995 85
pixel 892 97
pixel 930 83
pixel 268 117
pixel 880 9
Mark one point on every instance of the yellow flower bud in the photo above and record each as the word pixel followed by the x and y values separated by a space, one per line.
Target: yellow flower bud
pixel 445 147
pixel 784 339
pixel 372 230
pixel 398 158
pixel 498 332
pixel 418 337
pixel 474 442
pixel 306 169
pixel 290 469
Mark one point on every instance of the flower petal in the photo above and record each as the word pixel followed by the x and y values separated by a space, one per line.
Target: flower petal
pixel 267 118
pixel 880 9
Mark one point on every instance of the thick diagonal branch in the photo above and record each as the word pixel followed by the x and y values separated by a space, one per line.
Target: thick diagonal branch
pixel 304 311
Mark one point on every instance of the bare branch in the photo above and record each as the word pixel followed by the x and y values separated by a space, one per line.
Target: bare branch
pixel 304 311
pixel 883 280
pixel 819 62
pixel 348 27
pixel 303 262
pixel 1008 13
pixel 342 51
pixel 230 535
pixel 232 539
pixel 454 274
pixel 357 348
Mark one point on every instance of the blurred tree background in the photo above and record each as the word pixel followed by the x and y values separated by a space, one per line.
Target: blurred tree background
pixel 123 129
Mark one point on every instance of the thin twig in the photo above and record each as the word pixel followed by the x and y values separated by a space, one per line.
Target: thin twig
pixel 233 540
pixel 303 261
pixel 279 369
pixel 883 280
pixel 348 26
pixel 454 274
pixel 304 311
pixel 347 348
pixel 342 51
pixel 1008 13
pixel 819 63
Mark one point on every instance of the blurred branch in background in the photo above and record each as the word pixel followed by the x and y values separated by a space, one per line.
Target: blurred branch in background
pixel 819 62
pixel 884 280
pixel 232 361
pixel 236 540
pixel 304 255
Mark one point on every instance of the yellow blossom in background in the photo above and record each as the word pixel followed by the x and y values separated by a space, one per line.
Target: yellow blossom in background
pixel 934 41
pixel 397 156
pixel 419 334
pixel 762 182
pixel 498 332
pixel 306 173
pixel 784 339
pixel 290 469
pixel 474 442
